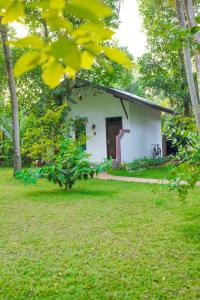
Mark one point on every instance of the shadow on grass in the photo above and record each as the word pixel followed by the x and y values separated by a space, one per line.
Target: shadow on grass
pixel 191 232
pixel 74 194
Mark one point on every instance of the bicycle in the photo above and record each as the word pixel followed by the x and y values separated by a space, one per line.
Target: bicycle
pixel 156 152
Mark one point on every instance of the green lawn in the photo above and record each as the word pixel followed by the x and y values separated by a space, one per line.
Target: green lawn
pixel 103 240
pixel 154 173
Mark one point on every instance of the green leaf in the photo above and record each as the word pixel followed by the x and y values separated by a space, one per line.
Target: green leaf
pixel 27 62
pixel 106 64
pixel 195 29
pixel 52 74
pixel 87 9
pixel 67 51
pixel 117 56
pixel 94 49
pixel 30 41
pixel 13 13
pixel 198 19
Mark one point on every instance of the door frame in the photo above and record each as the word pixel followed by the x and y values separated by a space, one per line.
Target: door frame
pixel 107 122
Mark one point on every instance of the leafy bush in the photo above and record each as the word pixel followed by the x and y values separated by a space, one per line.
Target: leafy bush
pixel 183 133
pixel 41 135
pixel 185 176
pixel 140 164
pixel 70 164
pixel 6 152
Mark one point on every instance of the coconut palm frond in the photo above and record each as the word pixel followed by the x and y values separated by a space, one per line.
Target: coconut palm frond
pixel 6 127
pixel 5 131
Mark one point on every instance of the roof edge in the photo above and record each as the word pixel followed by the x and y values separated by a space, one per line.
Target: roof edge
pixel 130 97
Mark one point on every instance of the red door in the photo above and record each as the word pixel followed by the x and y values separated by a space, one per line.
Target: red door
pixel 113 126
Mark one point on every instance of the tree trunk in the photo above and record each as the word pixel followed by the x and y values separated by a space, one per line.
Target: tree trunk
pixel 13 96
pixel 45 27
pixel 192 22
pixel 188 66
pixel 184 86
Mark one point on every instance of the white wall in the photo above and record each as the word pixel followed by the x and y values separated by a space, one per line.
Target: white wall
pixel 143 122
pixel 145 126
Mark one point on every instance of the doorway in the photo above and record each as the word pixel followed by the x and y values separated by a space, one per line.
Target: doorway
pixel 113 126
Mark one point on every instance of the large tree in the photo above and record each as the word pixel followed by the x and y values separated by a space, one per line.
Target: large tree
pixel 167 69
pixel 188 64
pixel 162 72
pixel 13 96
pixel 193 25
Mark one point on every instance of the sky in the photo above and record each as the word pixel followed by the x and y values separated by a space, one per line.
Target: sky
pixel 129 33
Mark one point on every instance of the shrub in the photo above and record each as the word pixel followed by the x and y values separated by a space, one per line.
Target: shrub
pixel 70 164
pixel 144 163
pixel 185 176
pixel 41 135
pixel 184 135
pixel 6 152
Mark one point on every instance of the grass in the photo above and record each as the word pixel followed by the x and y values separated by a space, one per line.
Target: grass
pixel 103 240
pixel 161 172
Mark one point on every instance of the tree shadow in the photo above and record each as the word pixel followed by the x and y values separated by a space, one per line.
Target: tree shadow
pixel 74 194
pixel 190 232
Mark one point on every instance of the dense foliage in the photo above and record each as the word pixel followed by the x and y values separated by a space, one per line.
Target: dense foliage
pixel 41 135
pixel 184 135
pixel 161 68
pixel 182 132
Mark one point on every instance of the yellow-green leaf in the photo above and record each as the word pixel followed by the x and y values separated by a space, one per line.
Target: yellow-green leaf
pixel 56 22
pixel 13 13
pixel 70 72
pixel 30 41
pixel 27 62
pixel 52 74
pixel 94 49
pixel 67 51
pixel 87 60
pixel 57 4
pixel 117 56
pixel 44 4
pixel 5 4
pixel 95 32
pixel 87 9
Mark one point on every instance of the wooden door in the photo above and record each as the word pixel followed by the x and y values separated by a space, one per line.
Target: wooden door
pixel 113 126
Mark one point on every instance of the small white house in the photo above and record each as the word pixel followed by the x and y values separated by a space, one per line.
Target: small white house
pixel 118 124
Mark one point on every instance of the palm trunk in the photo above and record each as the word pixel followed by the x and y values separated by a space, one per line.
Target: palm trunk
pixel 188 66
pixel 13 95
pixel 192 22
